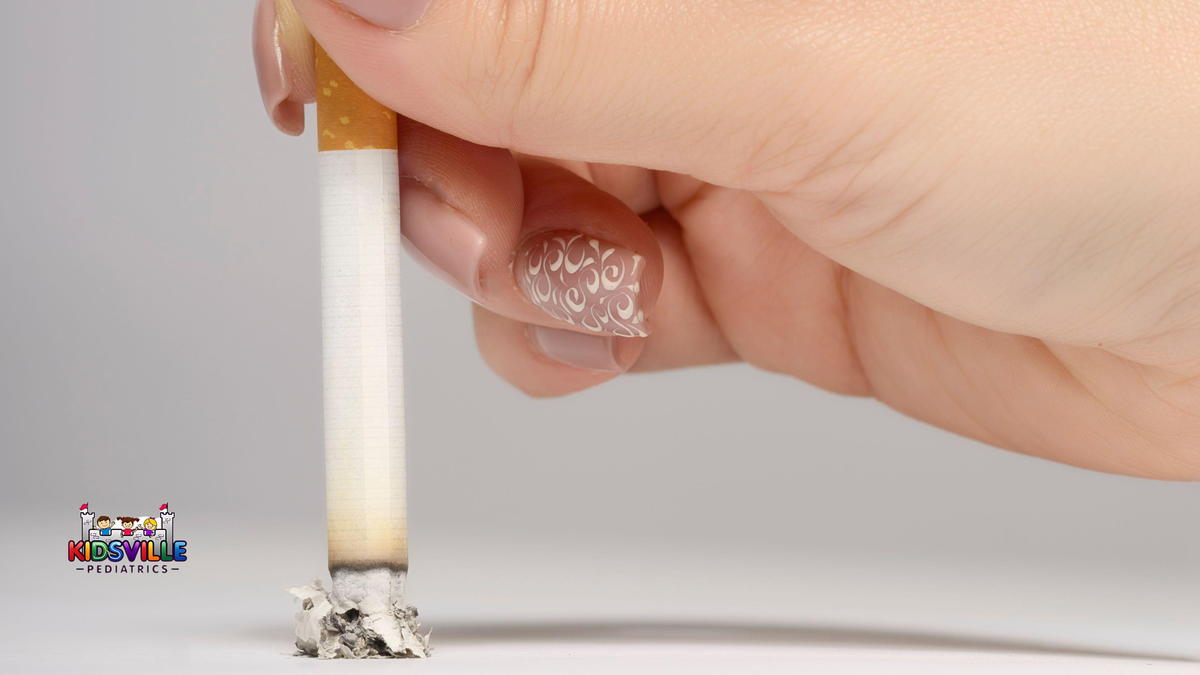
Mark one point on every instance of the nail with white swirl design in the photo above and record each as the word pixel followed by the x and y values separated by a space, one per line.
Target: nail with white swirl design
pixel 584 282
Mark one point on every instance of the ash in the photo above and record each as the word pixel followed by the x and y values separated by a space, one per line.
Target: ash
pixel 330 627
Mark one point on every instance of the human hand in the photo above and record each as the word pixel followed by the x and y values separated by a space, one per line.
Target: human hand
pixel 982 214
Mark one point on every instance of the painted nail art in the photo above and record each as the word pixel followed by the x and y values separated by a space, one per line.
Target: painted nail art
pixel 583 282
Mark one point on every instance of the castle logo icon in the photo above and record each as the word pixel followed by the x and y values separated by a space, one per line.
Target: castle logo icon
pixel 127 544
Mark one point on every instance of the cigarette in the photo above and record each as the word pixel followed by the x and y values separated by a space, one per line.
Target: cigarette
pixel 360 311
pixel 365 613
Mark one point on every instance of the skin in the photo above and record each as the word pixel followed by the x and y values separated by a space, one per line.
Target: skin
pixel 983 214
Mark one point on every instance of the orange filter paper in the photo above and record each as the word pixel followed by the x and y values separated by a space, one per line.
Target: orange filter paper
pixel 348 119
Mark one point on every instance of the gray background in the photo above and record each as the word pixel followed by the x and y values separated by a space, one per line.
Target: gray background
pixel 159 341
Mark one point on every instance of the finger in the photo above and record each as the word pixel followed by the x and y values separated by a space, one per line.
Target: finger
pixel 535 243
pixel 543 361
pixel 283 60
pixel 584 259
pixel 778 301
pixel 577 80
pixel 633 185
pixel 546 361
pixel 461 207
pixel 685 331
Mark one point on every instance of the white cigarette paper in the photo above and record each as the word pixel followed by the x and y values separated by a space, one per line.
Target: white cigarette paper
pixel 363 360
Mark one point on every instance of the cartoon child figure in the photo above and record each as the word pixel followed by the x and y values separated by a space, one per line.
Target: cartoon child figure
pixel 127 525
pixel 105 523
pixel 149 525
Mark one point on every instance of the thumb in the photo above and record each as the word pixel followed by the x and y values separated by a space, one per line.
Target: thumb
pixel 691 87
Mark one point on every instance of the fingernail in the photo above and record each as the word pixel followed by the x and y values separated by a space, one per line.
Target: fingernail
pixel 583 281
pixel 441 237
pixel 394 14
pixel 578 350
pixel 283 61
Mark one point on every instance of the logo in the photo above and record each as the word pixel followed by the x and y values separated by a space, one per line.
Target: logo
pixel 127 544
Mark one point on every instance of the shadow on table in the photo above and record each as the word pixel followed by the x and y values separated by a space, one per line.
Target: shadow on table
pixel 684 632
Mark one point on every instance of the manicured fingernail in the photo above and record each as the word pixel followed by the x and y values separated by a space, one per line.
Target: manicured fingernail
pixel 283 61
pixel 578 350
pixel 584 282
pixel 394 14
pixel 441 237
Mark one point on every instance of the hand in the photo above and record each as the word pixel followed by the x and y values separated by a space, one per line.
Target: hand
pixel 985 215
